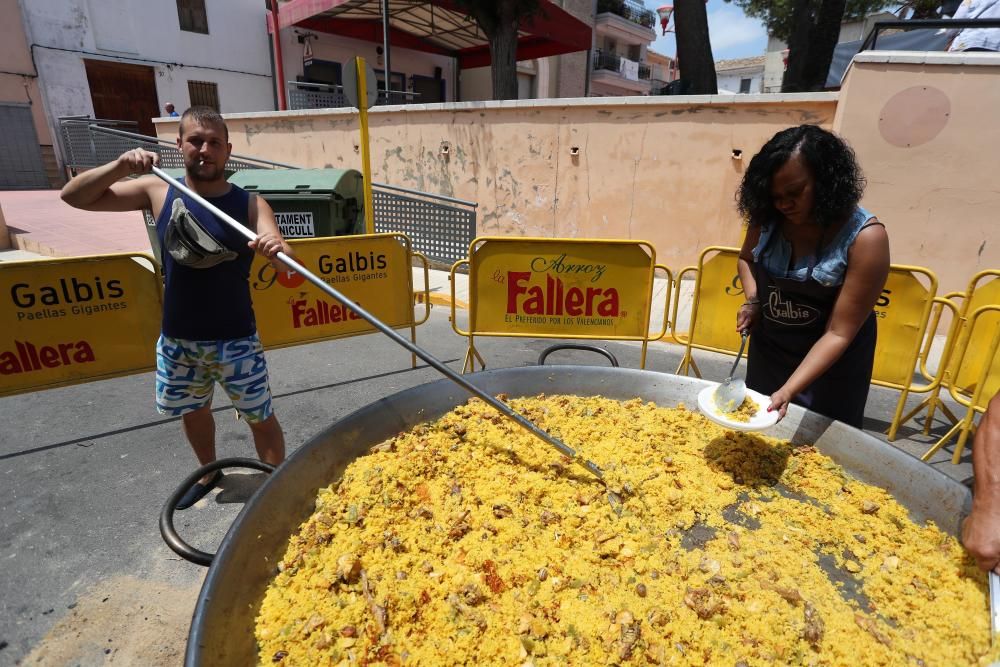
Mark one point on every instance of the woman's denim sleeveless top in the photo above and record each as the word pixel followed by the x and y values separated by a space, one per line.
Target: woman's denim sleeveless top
pixel 774 252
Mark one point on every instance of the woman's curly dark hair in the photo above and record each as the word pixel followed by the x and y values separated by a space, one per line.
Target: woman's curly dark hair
pixel 839 182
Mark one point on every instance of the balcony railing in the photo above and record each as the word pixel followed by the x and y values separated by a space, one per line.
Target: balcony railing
pixel 322 96
pixel 628 9
pixel 628 69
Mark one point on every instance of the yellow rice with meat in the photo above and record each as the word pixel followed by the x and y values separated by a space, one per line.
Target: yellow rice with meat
pixel 744 413
pixel 466 541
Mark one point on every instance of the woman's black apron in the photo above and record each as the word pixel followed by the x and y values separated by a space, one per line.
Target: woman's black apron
pixel 793 317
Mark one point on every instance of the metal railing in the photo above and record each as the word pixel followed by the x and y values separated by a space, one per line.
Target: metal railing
pixel 90 142
pixel 916 24
pixel 612 62
pixel 439 226
pixel 303 95
pixel 628 9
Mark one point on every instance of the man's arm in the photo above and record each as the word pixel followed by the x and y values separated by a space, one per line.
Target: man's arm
pixel 99 189
pixel 269 241
pixel 981 531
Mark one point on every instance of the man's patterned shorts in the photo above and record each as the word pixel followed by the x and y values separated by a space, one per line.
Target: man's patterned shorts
pixel 187 370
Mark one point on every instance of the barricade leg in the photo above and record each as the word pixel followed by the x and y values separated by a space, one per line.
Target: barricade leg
pixel 897 420
pixel 940 443
pixel 471 355
pixel 967 428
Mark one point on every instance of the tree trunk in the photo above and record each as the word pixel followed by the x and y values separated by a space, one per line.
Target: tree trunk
pixel 815 31
pixel 503 53
pixel 798 47
pixel 822 42
pixel 694 48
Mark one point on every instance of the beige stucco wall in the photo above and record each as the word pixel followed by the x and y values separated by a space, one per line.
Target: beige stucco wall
pixel 661 169
pixel 656 169
pixel 926 128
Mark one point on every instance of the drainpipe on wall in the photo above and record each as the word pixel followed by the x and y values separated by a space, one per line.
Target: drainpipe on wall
pixel 278 62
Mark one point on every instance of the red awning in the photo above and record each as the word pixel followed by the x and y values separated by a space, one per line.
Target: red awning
pixel 435 26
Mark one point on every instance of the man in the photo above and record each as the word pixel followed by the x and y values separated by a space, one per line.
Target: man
pixel 169 106
pixel 981 531
pixel 208 331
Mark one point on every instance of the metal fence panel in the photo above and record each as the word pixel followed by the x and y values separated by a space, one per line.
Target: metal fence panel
pixel 439 231
pixel 439 227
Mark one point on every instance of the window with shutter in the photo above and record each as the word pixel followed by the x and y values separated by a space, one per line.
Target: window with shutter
pixel 204 93
pixel 191 16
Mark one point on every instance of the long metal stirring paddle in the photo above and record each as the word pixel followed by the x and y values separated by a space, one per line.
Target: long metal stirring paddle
pixel 503 408
pixel 994 579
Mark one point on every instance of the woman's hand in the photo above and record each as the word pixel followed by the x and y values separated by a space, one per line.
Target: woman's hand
pixel 747 316
pixel 779 401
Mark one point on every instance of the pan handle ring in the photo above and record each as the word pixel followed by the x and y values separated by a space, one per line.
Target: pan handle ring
pixel 576 346
pixel 167 530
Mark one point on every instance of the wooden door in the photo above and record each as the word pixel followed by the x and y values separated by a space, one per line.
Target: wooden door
pixel 124 92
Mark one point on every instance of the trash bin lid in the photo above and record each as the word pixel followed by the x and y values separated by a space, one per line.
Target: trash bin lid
pixel 345 182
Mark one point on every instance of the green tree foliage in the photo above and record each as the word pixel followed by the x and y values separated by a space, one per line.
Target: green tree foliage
pixel 777 14
pixel 500 21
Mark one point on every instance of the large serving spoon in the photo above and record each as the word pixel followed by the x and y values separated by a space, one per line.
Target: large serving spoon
pixel 613 495
pixel 730 394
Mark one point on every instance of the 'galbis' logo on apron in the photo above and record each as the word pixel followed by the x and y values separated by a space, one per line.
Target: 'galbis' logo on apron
pixel 789 313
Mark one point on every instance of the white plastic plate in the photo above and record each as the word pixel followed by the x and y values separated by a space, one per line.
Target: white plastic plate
pixel 760 421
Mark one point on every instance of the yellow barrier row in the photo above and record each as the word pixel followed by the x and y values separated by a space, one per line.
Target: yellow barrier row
pixel 969 366
pixel 67 321
pixel 73 320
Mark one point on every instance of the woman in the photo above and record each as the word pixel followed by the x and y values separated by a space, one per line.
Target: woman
pixel 813 263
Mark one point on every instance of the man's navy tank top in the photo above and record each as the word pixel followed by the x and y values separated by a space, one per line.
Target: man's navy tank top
pixel 214 303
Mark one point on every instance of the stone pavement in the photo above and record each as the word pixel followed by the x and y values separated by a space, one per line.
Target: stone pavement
pixel 38 221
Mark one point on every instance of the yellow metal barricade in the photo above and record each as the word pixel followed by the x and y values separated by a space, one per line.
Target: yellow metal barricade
pixel 373 270
pixel 560 288
pixel 902 311
pixel 718 294
pixel 983 290
pixel 976 375
pixel 73 320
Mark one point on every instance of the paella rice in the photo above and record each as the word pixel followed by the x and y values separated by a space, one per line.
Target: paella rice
pixel 466 541
pixel 744 413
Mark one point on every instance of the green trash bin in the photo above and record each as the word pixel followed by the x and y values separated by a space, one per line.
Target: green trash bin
pixel 309 202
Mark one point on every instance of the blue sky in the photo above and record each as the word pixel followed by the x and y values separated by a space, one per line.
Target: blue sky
pixel 733 34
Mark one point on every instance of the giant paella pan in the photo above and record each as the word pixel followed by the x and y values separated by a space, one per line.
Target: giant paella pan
pixel 424 529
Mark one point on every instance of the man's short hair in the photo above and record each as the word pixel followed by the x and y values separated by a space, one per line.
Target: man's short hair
pixel 203 116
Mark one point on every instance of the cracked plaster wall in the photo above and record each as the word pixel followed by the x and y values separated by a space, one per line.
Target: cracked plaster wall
pixel 664 172
pixel 657 172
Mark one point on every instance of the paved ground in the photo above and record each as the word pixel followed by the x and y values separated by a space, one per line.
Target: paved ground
pixel 85 470
pixel 40 222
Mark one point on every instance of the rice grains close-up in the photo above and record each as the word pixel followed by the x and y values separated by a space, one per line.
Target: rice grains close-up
pixel 467 541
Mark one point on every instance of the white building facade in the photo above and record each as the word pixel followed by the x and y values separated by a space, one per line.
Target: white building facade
pixel 741 75
pixel 623 31
pixel 125 59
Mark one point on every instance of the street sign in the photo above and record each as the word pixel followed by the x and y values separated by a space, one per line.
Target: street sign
pixel 351 86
